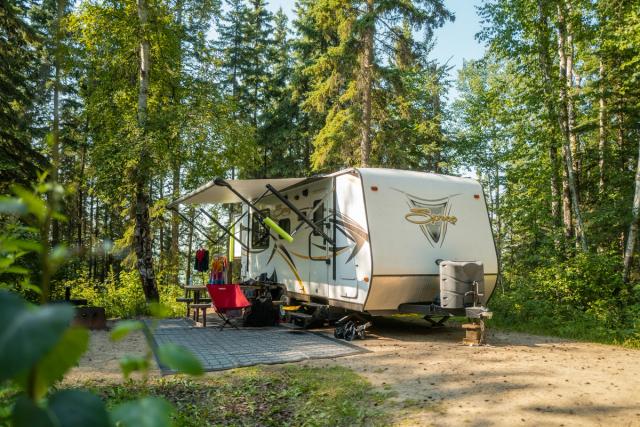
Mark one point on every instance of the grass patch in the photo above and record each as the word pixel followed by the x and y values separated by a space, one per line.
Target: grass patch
pixel 273 396
pixel 543 318
pixel 578 330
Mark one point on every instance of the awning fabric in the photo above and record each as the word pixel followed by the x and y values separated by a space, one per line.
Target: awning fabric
pixel 249 188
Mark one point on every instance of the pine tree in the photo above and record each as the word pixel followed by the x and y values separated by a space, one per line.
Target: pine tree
pixel 280 131
pixel 231 48
pixel 19 161
pixel 347 81
pixel 410 132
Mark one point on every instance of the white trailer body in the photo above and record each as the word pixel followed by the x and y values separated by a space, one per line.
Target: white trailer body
pixel 390 228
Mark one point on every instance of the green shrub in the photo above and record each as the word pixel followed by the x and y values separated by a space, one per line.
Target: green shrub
pixel 121 295
pixel 582 298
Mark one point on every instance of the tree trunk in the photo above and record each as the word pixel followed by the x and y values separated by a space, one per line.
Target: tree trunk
pixel 567 219
pixel 366 71
pixel 80 207
pixel 602 136
pixel 55 131
pixel 175 165
pixel 620 134
pixel 572 82
pixel 498 222
pixel 90 235
pixel 567 130
pixel 161 228
pixel 190 246
pixel 142 238
pixel 142 243
pixel 437 155
pixel 175 219
pixel 633 227
pixel 103 249
pixel 545 66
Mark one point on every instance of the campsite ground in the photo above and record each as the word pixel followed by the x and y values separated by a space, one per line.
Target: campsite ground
pixel 429 378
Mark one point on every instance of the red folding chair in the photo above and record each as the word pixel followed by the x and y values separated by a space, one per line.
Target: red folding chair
pixel 226 298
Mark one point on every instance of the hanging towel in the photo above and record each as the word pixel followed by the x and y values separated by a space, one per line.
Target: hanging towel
pixel 202 260
pixel 218 269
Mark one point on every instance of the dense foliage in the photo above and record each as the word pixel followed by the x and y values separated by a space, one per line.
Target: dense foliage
pixel 129 104
pixel 41 343
pixel 548 117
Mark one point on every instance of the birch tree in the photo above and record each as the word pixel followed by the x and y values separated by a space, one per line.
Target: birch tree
pixel 142 231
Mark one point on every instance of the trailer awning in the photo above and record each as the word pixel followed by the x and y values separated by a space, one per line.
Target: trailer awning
pixel 249 188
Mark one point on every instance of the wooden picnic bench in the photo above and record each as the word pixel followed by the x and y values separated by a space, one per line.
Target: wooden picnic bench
pixel 195 302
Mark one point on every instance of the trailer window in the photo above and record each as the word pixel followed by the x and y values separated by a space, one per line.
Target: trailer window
pixel 318 215
pixel 259 232
pixel 285 224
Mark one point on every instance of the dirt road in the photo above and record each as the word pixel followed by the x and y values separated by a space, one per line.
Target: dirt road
pixel 517 380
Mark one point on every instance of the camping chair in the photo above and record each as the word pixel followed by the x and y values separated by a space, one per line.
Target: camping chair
pixel 226 298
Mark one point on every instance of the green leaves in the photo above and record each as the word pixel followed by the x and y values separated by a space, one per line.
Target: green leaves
pixel 159 311
pixel 31 202
pixel 129 364
pixel 39 347
pixel 179 359
pixel 27 414
pixel 78 408
pixel 43 348
pixel 67 352
pixel 124 328
pixel 29 333
pixel 147 412
pixel 66 408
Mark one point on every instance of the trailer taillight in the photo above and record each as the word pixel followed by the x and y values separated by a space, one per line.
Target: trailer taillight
pixel 374 188
pixel 476 196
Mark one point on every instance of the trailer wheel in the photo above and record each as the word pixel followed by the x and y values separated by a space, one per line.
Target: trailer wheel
pixel 349 331
pixel 338 332
pixel 362 334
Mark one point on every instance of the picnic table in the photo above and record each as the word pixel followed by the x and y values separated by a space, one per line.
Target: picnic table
pixel 196 289
pixel 192 297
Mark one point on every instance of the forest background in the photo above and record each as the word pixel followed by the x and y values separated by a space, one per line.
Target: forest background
pixel 110 109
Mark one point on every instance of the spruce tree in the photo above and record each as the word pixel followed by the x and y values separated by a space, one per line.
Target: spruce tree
pixel 231 48
pixel 280 130
pixel 19 161
pixel 410 133
pixel 347 81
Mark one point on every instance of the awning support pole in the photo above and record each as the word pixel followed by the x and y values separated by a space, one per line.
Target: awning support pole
pixel 301 216
pixel 221 182
pixel 223 228
pixel 197 227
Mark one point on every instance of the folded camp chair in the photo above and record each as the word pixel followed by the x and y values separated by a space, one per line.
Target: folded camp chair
pixel 226 298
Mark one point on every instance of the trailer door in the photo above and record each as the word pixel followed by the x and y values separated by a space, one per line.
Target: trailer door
pixel 319 251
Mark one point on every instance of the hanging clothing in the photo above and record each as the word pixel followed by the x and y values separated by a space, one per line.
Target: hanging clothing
pixel 218 270
pixel 202 260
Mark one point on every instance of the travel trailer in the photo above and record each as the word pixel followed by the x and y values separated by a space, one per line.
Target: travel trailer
pixel 374 241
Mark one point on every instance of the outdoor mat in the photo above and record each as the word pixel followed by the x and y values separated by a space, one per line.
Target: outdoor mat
pixel 233 348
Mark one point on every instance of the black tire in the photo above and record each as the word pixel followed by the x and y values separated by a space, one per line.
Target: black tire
pixel 349 331
pixel 338 332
